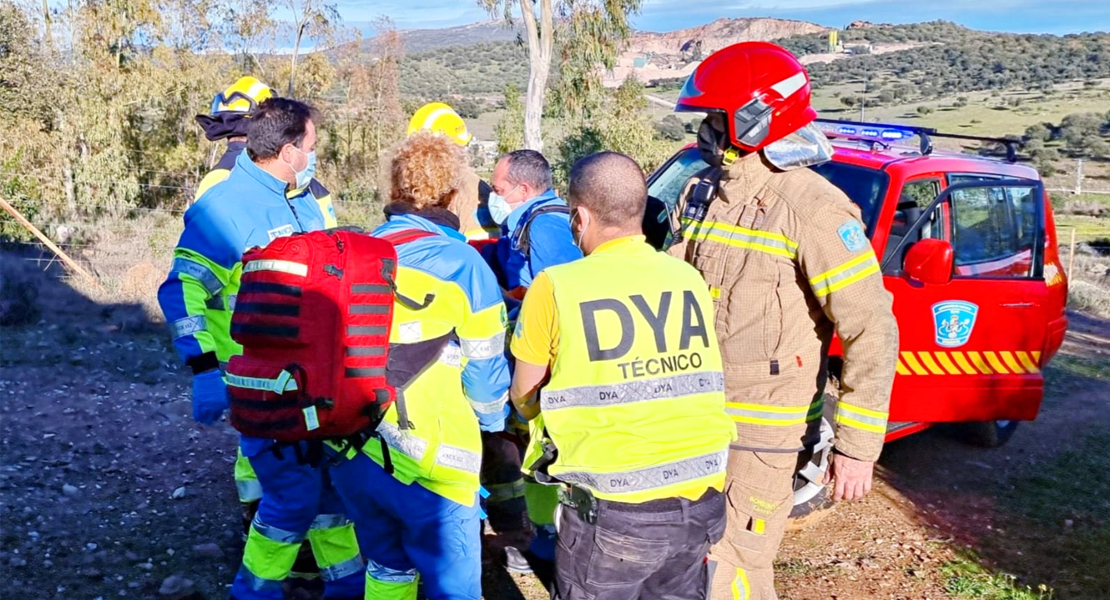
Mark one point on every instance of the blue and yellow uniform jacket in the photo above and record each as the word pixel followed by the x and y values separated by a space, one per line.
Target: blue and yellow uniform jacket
pixel 550 242
pixel 249 208
pixel 465 389
pixel 227 163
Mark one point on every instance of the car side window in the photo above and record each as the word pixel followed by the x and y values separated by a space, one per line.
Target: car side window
pixel 993 231
pixel 915 197
pixel 668 183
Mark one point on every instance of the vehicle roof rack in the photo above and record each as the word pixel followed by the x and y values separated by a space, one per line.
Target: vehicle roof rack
pixel 924 134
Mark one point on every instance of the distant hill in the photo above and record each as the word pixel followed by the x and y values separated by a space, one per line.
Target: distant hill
pixel 721 33
pixel 419 41
pixel 877 64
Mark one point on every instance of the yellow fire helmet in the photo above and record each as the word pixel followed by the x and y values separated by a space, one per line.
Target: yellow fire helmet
pixel 440 118
pixel 243 96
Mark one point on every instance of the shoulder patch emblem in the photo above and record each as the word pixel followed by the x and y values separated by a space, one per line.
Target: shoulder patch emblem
pixel 851 234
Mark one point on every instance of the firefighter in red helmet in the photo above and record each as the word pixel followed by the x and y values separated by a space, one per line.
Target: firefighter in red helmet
pixel 789 264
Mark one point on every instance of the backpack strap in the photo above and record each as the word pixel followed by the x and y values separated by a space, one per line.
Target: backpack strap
pixel 698 200
pixel 522 231
pixel 398 238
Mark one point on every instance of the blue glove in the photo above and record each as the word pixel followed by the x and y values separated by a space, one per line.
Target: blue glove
pixel 209 397
pixel 494 423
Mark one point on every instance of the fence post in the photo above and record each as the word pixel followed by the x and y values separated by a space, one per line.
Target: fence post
pixel 1078 176
pixel 1071 255
pixel 72 264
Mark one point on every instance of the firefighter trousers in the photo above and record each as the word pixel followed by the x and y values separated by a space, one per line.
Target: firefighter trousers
pixel 760 494
pixel 298 503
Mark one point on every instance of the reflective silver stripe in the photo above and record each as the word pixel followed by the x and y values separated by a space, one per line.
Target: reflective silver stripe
pixel 199 272
pixel 766 415
pixel 404 442
pixel 487 348
pixel 280 536
pixel 458 458
pixel 231 301
pixel 845 412
pixel 385 574
pixel 675 386
pixel 451 355
pixel 491 407
pixel 188 326
pixel 258 584
pixel 278 385
pixel 844 275
pixel 650 478
pixel 249 490
pixel 346 568
pixel 329 521
pixel 736 236
pixel 280 266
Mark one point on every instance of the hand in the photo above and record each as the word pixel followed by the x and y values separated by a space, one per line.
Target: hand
pixel 209 397
pixel 851 478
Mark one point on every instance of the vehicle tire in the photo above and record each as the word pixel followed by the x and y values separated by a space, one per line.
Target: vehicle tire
pixel 811 497
pixel 989 434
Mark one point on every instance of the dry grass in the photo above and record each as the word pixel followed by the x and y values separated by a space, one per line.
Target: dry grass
pixel 1089 281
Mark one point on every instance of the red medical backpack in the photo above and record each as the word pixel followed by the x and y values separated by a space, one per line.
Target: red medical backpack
pixel 313 315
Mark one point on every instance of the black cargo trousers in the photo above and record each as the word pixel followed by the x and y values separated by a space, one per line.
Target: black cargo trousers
pixel 646 551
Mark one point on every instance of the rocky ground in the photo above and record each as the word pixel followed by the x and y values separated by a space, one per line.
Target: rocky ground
pixel 108 489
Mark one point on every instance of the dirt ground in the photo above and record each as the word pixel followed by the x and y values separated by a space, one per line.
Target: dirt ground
pixel 108 489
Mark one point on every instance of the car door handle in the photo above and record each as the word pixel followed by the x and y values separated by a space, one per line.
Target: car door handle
pixel 1019 305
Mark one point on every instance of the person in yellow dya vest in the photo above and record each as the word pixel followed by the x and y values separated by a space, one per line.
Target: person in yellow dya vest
pixel 631 421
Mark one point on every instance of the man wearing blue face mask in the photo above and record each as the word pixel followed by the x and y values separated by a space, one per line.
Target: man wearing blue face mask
pixel 265 196
pixel 535 228
pixel 535 234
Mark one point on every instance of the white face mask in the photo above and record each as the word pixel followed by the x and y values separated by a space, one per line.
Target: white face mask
pixel 499 207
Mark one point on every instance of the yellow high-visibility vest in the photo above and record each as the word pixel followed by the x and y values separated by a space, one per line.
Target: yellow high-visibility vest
pixel 635 404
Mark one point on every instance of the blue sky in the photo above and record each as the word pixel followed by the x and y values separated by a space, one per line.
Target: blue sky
pixel 1025 16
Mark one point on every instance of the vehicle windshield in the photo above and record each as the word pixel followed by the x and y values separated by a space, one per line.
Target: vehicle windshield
pixel 863 186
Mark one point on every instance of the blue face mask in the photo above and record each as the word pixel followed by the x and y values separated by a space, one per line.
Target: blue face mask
pixel 499 207
pixel 304 175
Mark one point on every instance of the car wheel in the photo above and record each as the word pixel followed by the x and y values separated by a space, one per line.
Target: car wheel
pixel 989 434
pixel 811 496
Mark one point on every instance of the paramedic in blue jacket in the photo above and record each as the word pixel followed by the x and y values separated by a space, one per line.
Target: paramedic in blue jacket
pixel 535 234
pixel 250 208
pixel 413 492
pixel 535 222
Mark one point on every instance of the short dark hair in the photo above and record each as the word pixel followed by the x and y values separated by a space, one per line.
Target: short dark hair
pixel 612 186
pixel 277 122
pixel 528 166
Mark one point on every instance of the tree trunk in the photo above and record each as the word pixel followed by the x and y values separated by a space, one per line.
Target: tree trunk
pixel 540 45
pixel 296 49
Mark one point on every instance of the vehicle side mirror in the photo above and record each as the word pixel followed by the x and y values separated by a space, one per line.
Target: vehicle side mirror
pixel 930 261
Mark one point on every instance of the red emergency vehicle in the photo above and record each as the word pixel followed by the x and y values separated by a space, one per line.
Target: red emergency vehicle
pixel 968 249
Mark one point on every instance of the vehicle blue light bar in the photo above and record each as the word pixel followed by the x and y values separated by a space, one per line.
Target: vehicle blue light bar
pixel 884 133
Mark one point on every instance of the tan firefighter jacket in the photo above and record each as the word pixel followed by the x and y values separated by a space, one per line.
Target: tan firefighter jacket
pixel 788 263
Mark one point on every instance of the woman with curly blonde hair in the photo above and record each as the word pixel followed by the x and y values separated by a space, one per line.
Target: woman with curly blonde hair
pixel 414 496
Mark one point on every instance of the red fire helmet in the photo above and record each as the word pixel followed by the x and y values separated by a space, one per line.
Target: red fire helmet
pixel 761 88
